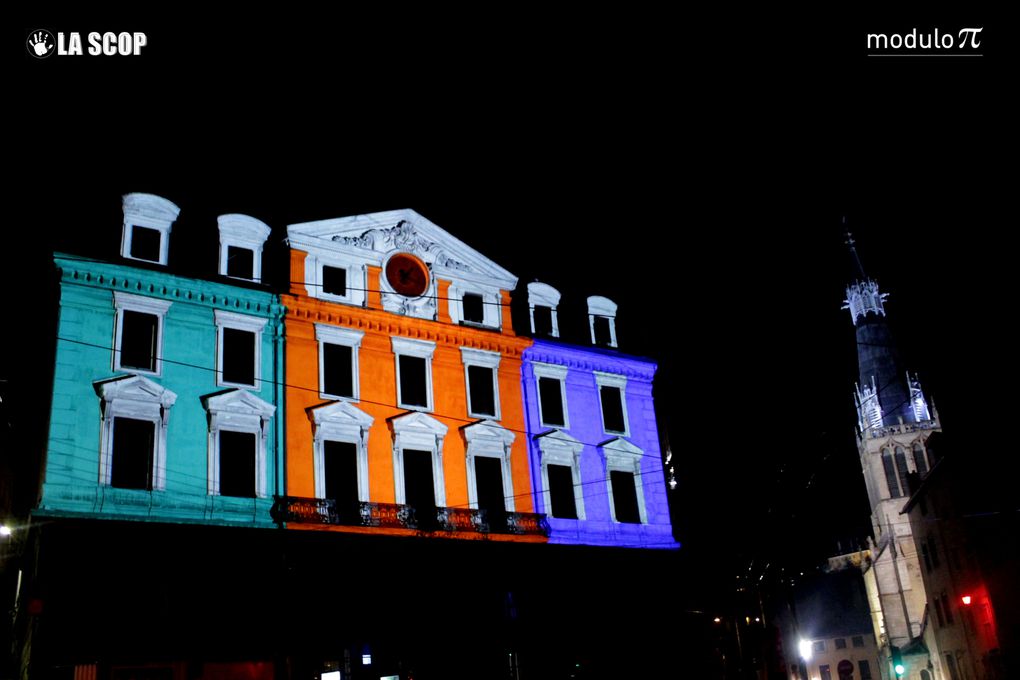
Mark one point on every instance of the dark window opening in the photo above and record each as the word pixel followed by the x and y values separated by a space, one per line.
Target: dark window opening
pixel 625 497
pixel 338 370
pixel 947 608
pixel 238 356
pixel 824 672
pixel 603 336
pixel 901 468
pixel 543 320
pixel 489 484
pixel 612 409
pixel 237 464
pixel 474 308
pixel 413 381
pixel 954 674
pixel 334 281
pixel 920 462
pixel 890 475
pixel 561 491
pixel 419 487
pixel 240 262
pixel 933 551
pixel 139 335
pixel 926 558
pixel 133 445
pixel 840 643
pixel 857 640
pixel 551 399
pixel 865 669
pixel 145 243
pixel 938 612
pixel 340 469
pixel 482 392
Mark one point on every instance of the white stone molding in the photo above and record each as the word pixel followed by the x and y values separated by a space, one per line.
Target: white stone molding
pixel 335 335
pixel 151 212
pixel 142 399
pixel 340 422
pixel 477 357
pixel 238 411
pixel 863 297
pixel 613 380
pixel 493 441
pixel 623 456
pixel 559 448
pixel 554 372
pixel 242 322
pixel 543 295
pixel 415 348
pixel 420 432
pixel 139 303
pixel 242 231
pixel 424 306
pixel 492 316
pixel 604 307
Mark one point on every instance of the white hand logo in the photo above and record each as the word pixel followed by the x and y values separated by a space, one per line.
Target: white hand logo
pixel 38 43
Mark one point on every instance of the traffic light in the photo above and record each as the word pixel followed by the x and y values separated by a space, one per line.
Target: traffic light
pixel 897 661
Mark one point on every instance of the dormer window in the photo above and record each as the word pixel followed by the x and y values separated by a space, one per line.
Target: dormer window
pixel 542 301
pixel 147 223
pixel 241 241
pixel 472 305
pixel 602 321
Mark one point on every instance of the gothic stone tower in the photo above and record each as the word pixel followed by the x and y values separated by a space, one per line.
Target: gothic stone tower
pixel 894 423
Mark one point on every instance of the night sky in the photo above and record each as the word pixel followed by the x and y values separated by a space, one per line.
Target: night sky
pixel 696 171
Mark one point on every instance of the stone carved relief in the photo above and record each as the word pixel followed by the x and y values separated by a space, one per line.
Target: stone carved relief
pixel 403 236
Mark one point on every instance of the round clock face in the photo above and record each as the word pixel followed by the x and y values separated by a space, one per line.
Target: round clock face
pixel 407 275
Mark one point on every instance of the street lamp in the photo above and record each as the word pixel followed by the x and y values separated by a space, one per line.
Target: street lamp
pixel 804 646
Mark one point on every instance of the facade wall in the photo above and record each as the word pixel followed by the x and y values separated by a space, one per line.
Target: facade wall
pixel 585 425
pixel 73 483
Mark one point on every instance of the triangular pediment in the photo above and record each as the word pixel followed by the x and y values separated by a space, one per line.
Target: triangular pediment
pixel 418 422
pixel 374 235
pixel 558 439
pixel 486 429
pixel 238 401
pixel 134 388
pixel 340 412
pixel 620 445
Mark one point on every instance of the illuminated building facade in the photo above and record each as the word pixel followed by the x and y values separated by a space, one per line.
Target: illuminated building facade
pixel 404 412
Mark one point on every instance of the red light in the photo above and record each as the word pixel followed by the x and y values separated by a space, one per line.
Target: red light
pixel 966 599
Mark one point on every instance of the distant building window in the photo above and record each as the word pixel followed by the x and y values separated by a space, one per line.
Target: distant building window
pixel 237 464
pixel 819 646
pixel 552 395
pixel 926 557
pixel 890 474
pixel 947 608
pixel 602 321
pixel 824 672
pixel 920 460
pixel 561 491
pixel 135 413
pixel 490 485
pixel 865 669
pixel 240 262
pixel 338 361
pixel 414 372
pixel 241 241
pixel 133 448
pixel 334 281
pixel 481 373
pixel 148 220
pixel 933 552
pixel 542 301
pixel 340 429
pixel 418 465
pixel 857 640
pixel 625 497
pixel 611 397
pixel 239 341
pixel 840 643
pixel 601 330
pixel 901 469
pixel 340 473
pixel 939 615
pixel 474 308
pixel 139 336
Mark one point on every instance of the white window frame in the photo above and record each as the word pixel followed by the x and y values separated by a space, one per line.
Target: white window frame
pixel 356 278
pixel 543 295
pixel 557 373
pixel 613 380
pixel 484 359
pixel 139 398
pixel 150 212
pixel 242 231
pixel 559 448
pixel 348 337
pixel 240 322
pixel 419 432
pixel 491 440
pixel 238 411
pixel 340 422
pixel 491 304
pixel 623 456
pixel 139 303
pixel 602 306
pixel 414 348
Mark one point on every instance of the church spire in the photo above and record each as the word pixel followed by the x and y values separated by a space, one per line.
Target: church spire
pixel 883 396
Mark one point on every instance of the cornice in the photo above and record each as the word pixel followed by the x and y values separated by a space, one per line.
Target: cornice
pixel 385 323
pixel 581 360
pixel 119 278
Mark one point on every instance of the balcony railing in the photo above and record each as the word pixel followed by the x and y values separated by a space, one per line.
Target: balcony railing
pixel 394 516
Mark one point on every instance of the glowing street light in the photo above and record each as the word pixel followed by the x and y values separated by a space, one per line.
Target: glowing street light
pixel 804 646
pixel 5 530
